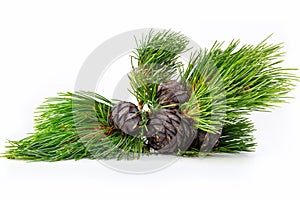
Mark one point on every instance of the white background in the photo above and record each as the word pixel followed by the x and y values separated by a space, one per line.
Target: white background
pixel 42 47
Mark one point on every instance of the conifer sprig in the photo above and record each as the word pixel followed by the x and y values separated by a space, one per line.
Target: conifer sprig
pixel 75 126
pixel 157 56
pixel 236 137
pixel 227 84
pixel 253 76
pixel 236 80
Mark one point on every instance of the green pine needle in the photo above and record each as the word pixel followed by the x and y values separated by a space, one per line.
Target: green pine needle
pixel 157 61
pixel 236 137
pixel 75 126
pixel 236 80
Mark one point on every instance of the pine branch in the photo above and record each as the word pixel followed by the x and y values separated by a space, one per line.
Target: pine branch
pixel 236 137
pixel 227 85
pixel 160 49
pixel 157 57
pixel 75 126
pixel 236 80
pixel 253 77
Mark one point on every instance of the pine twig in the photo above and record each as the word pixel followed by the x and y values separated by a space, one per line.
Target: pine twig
pixel 236 80
pixel 157 61
pixel 75 126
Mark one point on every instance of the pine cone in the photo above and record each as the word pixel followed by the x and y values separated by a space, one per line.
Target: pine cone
pixel 169 131
pixel 204 141
pixel 172 93
pixel 126 117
